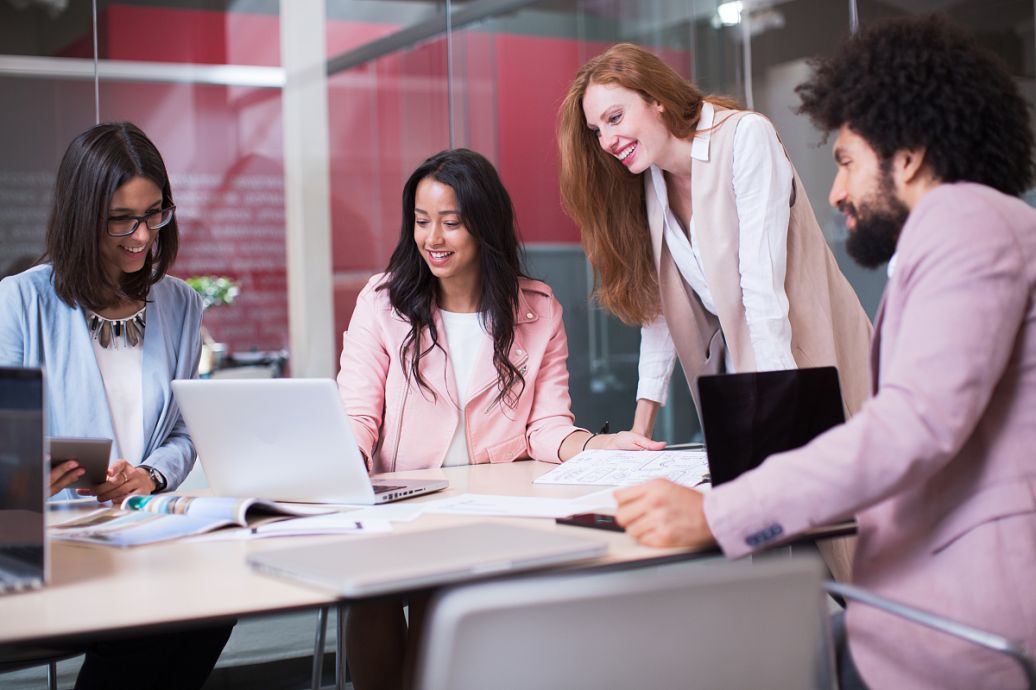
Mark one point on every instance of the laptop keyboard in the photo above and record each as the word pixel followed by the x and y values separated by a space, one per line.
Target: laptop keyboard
pixel 16 577
pixel 12 584
pixel 382 488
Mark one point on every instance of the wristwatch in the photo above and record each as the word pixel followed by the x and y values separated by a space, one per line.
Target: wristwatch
pixel 156 477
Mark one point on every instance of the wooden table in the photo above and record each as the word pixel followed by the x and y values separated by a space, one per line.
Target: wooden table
pixel 97 591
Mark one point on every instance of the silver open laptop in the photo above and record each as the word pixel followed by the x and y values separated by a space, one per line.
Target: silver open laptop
pixel 24 561
pixel 425 558
pixel 282 439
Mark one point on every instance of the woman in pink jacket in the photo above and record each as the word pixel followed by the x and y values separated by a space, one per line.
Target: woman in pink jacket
pixel 454 357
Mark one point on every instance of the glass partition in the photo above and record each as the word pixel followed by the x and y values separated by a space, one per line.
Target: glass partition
pixel 40 114
pixel 202 80
pixel 783 37
pixel 222 146
pixel 388 109
pixel 407 78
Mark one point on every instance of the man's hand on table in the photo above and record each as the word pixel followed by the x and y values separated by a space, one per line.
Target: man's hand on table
pixel 661 513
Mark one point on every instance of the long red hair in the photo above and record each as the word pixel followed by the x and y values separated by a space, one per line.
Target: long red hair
pixel 601 196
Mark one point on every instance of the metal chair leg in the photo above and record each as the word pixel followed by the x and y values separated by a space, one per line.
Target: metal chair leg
pixel 343 612
pixel 318 649
pixel 52 675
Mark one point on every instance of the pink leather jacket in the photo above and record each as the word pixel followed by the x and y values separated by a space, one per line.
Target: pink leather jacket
pixel 405 427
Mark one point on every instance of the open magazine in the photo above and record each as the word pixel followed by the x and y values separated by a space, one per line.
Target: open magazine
pixel 150 519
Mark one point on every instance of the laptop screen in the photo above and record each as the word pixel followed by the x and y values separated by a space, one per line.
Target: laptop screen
pixel 22 502
pixel 748 417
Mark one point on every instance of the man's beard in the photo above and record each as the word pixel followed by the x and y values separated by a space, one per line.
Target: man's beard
pixel 879 220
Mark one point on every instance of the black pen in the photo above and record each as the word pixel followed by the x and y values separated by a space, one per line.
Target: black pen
pixel 604 428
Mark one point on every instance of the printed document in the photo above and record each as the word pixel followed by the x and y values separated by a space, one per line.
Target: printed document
pixel 490 505
pixel 625 467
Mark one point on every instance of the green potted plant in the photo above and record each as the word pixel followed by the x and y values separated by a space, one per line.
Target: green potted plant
pixel 214 291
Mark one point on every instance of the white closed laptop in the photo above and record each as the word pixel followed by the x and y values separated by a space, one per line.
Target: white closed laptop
pixel 284 440
pixel 404 562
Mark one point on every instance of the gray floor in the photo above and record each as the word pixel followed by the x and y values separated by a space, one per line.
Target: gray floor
pixel 272 652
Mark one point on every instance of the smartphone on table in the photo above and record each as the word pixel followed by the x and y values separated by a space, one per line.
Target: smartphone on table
pixel 592 520
pixel 91 453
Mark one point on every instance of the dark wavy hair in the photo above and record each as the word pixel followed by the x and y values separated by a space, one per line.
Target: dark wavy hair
pixel 921 82
pixel 488 215
pixel 95 165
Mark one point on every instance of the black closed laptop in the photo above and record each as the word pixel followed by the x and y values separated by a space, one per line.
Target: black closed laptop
pixel 749 417
pixel 23 537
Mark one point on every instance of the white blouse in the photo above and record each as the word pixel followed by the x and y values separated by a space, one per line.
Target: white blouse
pixel 464 343
pixel 762 179
pixel 122 373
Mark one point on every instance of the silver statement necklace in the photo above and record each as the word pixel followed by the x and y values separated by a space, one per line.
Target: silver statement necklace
pixel 114 333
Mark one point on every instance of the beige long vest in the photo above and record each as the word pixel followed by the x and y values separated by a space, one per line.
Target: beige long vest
pixel 828 324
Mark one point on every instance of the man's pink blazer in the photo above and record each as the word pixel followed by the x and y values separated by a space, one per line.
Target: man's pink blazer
pixel 939 467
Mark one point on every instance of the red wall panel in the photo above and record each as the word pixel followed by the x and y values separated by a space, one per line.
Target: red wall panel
pixel 162 34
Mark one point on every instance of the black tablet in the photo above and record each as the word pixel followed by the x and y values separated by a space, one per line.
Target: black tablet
pixel 91 454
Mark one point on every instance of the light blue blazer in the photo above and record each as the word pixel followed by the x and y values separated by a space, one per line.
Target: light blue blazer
pixel 37 329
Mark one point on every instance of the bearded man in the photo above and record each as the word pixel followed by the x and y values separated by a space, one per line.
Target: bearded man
pixel 939 466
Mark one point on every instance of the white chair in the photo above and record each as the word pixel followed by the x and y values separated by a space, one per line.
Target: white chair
pixel 697 624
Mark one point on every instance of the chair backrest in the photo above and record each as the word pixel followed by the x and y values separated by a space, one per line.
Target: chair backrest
pixel 695 624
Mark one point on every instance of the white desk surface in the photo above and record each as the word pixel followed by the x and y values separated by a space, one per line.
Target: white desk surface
pixel 100 589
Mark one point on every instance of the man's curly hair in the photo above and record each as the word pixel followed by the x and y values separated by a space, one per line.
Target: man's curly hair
pixel 921 82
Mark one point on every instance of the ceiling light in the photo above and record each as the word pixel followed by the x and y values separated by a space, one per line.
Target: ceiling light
pixel 729 13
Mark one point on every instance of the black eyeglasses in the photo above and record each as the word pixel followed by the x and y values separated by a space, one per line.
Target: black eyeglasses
pixel 121 226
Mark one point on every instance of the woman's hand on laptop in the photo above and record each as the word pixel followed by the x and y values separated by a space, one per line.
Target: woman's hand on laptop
pixel 123 480
pixel 661 513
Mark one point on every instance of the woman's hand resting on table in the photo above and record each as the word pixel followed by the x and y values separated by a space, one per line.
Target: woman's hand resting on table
pixel 578 441
pixel 624 440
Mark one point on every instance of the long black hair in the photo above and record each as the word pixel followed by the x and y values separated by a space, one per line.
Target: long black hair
pixel 95 165
pixel 488 215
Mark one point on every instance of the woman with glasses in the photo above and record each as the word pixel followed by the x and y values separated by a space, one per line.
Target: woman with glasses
pixel 111 331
